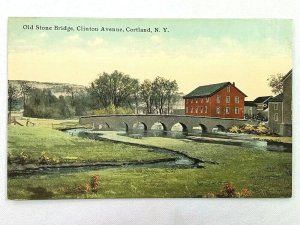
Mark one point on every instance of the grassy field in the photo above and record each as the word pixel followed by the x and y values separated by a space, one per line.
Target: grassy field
pixel 46 123
pixel 32 141
pixel 274 139
pixel 265 174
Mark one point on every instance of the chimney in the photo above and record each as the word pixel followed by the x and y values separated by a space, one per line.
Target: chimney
pixel 233 84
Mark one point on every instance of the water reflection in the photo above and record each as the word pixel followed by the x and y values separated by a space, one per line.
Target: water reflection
pixel 224 138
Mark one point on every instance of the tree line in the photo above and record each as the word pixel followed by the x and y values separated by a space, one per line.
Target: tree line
pixel 108 93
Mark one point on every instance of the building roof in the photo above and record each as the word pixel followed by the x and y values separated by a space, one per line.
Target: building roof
pixel 277 98
pixel 208 90
pixel 287 75
pixel 249 103
pixel 262 99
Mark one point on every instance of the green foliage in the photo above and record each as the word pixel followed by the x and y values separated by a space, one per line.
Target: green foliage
pixel 46 159
pixel 113 89
pixel 13 95
pixel 111 109
pixel 117 90
pixel 275 82
pixel 21 158
pixel 43 104
pixel 9 158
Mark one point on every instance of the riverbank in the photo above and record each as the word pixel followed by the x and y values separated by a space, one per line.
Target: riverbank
pixel 265 174
pixel 44 146
pixel 286 140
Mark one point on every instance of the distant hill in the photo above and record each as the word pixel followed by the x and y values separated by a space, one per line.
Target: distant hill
pixel 57 89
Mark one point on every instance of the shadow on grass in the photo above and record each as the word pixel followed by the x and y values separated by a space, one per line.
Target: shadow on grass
pixel 40 193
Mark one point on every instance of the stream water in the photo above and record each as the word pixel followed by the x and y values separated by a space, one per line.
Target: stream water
pixel 176 159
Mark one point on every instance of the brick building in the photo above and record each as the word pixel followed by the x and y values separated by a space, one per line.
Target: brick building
pixel 223 100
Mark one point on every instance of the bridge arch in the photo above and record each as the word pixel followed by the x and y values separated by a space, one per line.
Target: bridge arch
pixel 103 126
pixel 115 122
pixel 201 128
pixel 123 126
pixel 158 126
pixel 218 127
pixel 139 126
pixel 179 126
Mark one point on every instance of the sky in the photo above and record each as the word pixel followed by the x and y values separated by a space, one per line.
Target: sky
pixel 194 52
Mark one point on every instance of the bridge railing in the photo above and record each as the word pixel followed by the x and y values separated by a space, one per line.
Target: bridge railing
pixel 161 115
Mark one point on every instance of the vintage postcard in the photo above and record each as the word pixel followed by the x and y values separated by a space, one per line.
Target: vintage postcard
pixel 149 108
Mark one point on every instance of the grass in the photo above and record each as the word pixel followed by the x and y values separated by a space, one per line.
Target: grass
pixel 46 123
pixel 35 140
pixel 265 174
pixel 287 140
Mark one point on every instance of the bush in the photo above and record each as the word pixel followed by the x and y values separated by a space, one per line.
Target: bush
pixel 10 158
pixel 234 129
pixel 260 129
pixel 94 183
pixel 81 189
pixel 229 191
pixel 22 158
pixel 86 188
pixel 47 159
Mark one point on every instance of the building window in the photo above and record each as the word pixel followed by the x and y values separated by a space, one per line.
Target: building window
pixel 196 109
pixel 218 98
pixel 196 100
pixel 192 110
pixel 250 112
pixel 227 99
pixel 191 100
pixel 237 99
pixel 201 100
pixel 236 110
pixel 187 110
pixel 201 109
pixel 227 110
pixel 218 110
pixel 276 117
pixel 228 88
pixel 207 99
pixel 260 107
pixel 275 106
pixel 205 109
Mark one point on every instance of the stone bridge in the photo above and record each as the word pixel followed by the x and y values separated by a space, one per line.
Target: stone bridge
pixel 188 123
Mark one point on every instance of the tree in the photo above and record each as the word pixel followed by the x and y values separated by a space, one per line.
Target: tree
pixel 63 108
pixel 81 103
pixel 13 95
pixel 43 104
pixel 135 85
pixel 115 89
pixel 146 93
pixel 159 93
pixel 171 93
pixel 25 89
pixel 275 82
pixel 72 91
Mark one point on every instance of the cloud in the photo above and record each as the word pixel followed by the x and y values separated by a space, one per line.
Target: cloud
pixel 96 42
pixel 72 38
pixel 42 35
pixel 156 39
